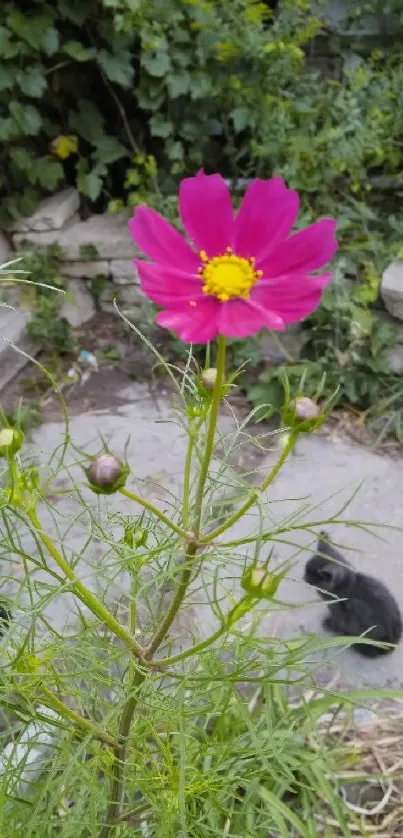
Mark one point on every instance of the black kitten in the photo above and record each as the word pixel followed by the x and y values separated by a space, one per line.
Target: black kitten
pixel 5 617
pixel 367 602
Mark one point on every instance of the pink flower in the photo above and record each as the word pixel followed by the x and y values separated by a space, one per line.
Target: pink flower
pixel 245 271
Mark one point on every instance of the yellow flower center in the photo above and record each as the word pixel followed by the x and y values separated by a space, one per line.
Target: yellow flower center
pixel 228 276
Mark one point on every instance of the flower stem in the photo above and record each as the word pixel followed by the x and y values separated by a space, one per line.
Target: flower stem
pixel 117 784
pixel 84 594
pixel 255 494
pixel 80 722
pixel 153 509
pixel 208 451
pixel 117 787
pixel 186 479
pixel 176 602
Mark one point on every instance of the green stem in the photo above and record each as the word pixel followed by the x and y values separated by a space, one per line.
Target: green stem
pixel 117 787
pixel 186 481
pixel 62 708
pixel 84 594
pixel 256 493
pixel 176 602
pixel 208 451
pixel 120 750
pixel 153 509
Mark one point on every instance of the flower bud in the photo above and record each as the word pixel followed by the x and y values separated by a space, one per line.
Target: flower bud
pixel 208 378
pixel 10 441
pixel 305 408
pixel 106 474
pixel 135 536
pixel 302 415
pixel 259 582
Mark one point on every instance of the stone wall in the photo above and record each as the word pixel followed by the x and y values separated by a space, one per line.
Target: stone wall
pixel 97 264
pixel 97 255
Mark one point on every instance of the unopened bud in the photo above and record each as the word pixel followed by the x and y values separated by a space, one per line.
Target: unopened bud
pixel 259 582
pixel 305 408
pixel 135 536
pixel 10 441
pixel 107 474
pixel 302 415
pixel 208 378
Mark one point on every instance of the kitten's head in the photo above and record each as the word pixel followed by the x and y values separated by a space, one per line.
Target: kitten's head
pixel 328 570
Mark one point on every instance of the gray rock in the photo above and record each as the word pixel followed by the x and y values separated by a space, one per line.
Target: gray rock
pixel 395 358
pixel 281 346
pixel 80 307
pixel 5 249
pixel 78 270
pixel 392 289
pixel 106 235
pixel 125 296
pixel 123 271
pixel 52 214
pixel 13 332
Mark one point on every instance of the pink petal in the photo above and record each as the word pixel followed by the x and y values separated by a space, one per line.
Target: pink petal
pixel 293 298
pixel 160 241
pixel 206 212
pixel 306 251
pixel 167 287
pixel 198 324
pixel 241 318
pixel 267 214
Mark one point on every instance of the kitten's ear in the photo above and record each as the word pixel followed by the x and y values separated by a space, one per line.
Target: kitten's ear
pixel 323 547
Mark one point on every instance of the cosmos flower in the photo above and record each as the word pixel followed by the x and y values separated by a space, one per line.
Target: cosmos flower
pixel 239 272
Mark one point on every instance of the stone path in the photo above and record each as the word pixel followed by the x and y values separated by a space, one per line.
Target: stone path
pixel 316 482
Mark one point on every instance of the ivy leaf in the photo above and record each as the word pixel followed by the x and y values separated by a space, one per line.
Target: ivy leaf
pixel 64 145
pixel 240 117
pixel 175 151
pixel 160 127
pixel 22 158
pixel 7 48
pixel 87 121
pixel 89 182
pixel 78 51
pixel 6 78
pixel 109 149
pixel 117 68
pixel 50 41
pixel 179 84
pixel 27 119
pixel 32 82
pixel 49 172
pixel 157 64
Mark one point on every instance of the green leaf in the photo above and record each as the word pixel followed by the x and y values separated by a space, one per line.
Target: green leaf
pixel 6 78
pixel 240 117
pixel 179 84
pixel 7 48
pixel 109 149
pixel 117 68
pixel 78 51
pixel 27 119
pixel 32 82
pixel 89 183
pixel 22 159
pixel 175 151
pixel 87 121
pixel 160 127
pixel 50 41
pixel 49 172
pixel 156 65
